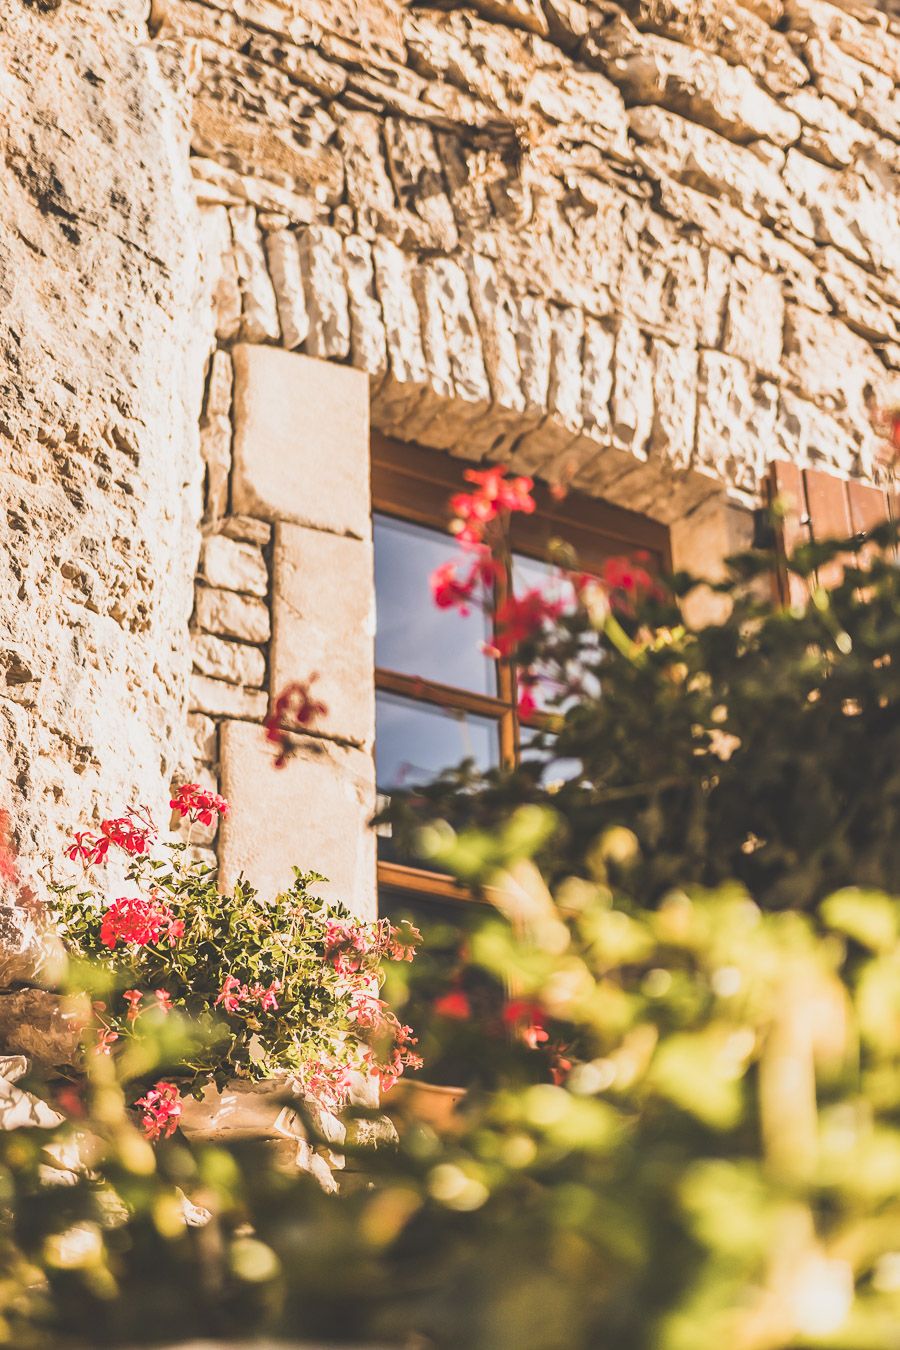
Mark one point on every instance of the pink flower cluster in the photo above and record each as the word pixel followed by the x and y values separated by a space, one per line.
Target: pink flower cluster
pixel 400 1057
pixel 199 804
pixel 139 922
pixel 349 943
pixel 233 996
pixel 132 833
pixel 329 1081
pixel 451 590
pixel 372 1014
pixel 161 999
pixel 161 1111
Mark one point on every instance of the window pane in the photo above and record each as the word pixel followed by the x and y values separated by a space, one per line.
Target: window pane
pixel 531 573
pixel 413 636
pixel 415 741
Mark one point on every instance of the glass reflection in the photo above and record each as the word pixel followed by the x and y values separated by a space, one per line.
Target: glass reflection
pixel 533 573
pixel 414 742
pixel 412 636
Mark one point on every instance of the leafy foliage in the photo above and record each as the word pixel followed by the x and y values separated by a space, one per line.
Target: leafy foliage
pixel 280 988
pixel 765 749
pixel 680 994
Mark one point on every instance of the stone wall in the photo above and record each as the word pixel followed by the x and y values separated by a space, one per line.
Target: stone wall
pixel 101 354
pixel 645 246
pixel 642 247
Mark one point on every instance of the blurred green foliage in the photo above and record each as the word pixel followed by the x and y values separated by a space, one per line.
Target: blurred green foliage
pixel 705 1150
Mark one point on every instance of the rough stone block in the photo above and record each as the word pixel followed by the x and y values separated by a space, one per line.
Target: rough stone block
pixel 203 740
pixel 700 544
pixel 234 565
pixel 313 813
pixel 218 253
pixel 284 269
pixel 301 447
pixel 218 698
pixel 696 85
pixel 597 367
pixel 323 615
pixel 855 212
pixel 232 615
pixel 806 434
pixel 321 259
pixel 249 529
pixel 754 317
pixel 727 30
pixel 701 158
pixel 736 422
pixel 632 395
pixel 232 661
pixel 41 1025
pixel 368 342
pixel 259 321
pixel 215 448
pixel 826 362
pixel 674 402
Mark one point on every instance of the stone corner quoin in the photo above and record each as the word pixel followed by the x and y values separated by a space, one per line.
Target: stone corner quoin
pixel 301 441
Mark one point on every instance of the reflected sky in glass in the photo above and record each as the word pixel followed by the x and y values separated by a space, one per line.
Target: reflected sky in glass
pixel 414 741
pixel 413 636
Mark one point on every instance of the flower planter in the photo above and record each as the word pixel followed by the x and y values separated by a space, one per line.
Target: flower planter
pixel 426 1102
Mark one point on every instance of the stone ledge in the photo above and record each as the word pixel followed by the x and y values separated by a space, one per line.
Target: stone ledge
pixel 37 1023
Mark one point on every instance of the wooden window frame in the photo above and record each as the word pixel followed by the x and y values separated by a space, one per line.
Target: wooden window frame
pixel 411 482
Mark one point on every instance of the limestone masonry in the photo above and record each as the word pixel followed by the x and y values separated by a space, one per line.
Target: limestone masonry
pixel 645 248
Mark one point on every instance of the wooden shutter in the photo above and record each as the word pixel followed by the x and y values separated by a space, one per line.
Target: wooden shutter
pixel 820 506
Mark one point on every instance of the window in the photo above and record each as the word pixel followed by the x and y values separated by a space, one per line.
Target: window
pixel 439 698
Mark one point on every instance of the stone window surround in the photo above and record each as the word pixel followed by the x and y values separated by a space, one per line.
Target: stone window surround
pixel 285 589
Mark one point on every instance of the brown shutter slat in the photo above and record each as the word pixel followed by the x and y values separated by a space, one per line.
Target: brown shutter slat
pixel 822 506
pixel 785 481
pixel 868 506
pixel 829 517
pixel 826 501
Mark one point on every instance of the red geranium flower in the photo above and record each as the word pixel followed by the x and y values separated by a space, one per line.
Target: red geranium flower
pixel 455 1005
pixel 494 493
pixel 522 617
pixel 127 834
pixel 527 1020
pixel 628 583
pixel 451 591
pixel 130 832
pixel 198 803
pixel 141 922
pixel 89 848
pixel 232 994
